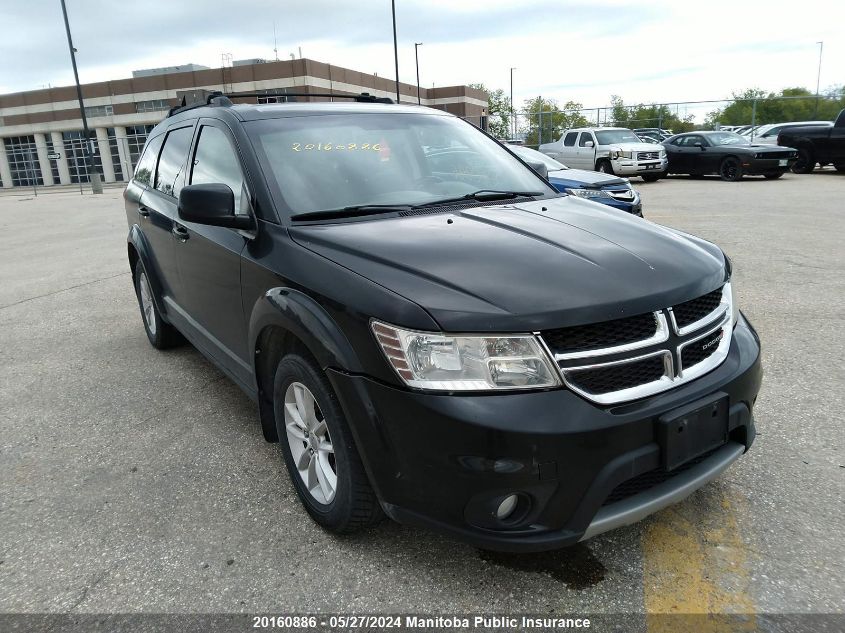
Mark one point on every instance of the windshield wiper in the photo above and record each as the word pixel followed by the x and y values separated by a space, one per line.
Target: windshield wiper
pixel 348 212
pixel 481 195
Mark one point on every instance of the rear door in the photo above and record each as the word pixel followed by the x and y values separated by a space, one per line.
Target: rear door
pixel 209 257
pixel 155 218
pixel 568 149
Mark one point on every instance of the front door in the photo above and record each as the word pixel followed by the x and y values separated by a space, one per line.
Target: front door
pixel 209 257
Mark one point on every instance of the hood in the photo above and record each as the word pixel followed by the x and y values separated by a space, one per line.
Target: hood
pixel 638 147
pixel 523 268
pixel 581 177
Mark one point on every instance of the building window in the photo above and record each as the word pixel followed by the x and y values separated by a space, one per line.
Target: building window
pixel 136 136
pixel 263 100
pixel 74 145
pixel 115 155
pixel 152 105
pixel 101 110
pixel 23 161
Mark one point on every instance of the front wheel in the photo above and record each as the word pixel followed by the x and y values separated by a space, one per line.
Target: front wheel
pixel 805 163
pixel 605 167
pixel 730 169
pixel 840 167
pixel 318 448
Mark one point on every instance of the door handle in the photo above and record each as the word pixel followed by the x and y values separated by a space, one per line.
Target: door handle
pixel 143 211
pixel 180 232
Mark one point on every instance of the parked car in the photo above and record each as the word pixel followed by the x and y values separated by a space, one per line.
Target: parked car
pixel 611 150
pixel 452 344
pixel 817 144
pixel 768 134
pixel 742 129
pixel 727 154
pixel 590 185
pixel 653 132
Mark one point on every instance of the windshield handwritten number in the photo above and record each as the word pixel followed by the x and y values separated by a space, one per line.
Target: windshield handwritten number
pixel 297 147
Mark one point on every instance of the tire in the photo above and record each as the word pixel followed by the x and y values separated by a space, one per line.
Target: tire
pixel 160 334
pixel 318 446
pixel 730 169
pixel 773 176
pixel 605 167
pixel 840 167
pixel 651 177
pixel 806 163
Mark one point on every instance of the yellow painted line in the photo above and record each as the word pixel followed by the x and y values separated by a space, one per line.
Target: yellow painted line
pixel 695 562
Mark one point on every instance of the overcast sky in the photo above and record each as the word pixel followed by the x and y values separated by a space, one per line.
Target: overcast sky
pixel 649 51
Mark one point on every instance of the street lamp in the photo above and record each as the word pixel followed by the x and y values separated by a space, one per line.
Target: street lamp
pixel 395 47
pixel 93 174
pixel 417 59
pixel 513 116
pixel 818 78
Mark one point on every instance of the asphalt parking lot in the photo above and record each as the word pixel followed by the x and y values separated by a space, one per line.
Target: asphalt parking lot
pixel 135 480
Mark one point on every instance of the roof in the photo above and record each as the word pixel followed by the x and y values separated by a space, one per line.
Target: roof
pixel 250 112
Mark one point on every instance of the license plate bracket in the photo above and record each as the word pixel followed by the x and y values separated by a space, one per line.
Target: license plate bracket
pixel 686 433
pixel 782 162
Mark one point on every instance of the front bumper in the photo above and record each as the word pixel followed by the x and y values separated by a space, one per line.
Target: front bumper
pixel 445 461
pixel 628 167
pixel 759 166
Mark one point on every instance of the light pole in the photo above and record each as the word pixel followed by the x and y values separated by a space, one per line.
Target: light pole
pixel 818 77
pixel 417 59
pixel 513 115
pixel 395 48
pixel 93 174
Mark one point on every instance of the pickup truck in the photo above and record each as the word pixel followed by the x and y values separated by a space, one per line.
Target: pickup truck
pixel 611 150
pixel 816 144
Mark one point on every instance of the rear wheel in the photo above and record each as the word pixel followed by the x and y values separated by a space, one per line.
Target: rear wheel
pixel 319 450
pixel 730 169
pixel 604 167
pixel 774 175
pixel 806 163
pixel 160 334
pixel 839 167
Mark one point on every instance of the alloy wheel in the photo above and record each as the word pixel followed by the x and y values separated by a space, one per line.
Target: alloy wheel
pixel 147 306
pixel 730 169
pixel 310 443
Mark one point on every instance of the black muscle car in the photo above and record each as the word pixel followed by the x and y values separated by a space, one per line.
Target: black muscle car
pixel 729 155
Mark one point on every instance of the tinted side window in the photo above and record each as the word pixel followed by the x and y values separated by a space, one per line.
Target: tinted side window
pixel 172 160
pixel 146 166
pixel 215 161
pixel 569 141
pixel 585 136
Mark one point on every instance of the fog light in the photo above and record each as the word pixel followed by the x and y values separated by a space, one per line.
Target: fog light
pixel 506 507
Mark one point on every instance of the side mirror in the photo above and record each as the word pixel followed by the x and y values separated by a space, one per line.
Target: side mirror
pixel 699 145
pixel 539 167
pixel 212 204
pixel 589 144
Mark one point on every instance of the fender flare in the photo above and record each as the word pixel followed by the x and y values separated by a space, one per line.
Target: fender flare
pixel 295 312
pixel 138 241
pixel 306 319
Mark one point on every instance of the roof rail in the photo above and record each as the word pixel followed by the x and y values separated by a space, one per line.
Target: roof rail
pixel 364 97
pixel 215 98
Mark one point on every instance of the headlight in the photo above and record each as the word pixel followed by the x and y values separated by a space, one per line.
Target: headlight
pixel 662 153
pixel 588 193
pixel 430 360
pixel 626 154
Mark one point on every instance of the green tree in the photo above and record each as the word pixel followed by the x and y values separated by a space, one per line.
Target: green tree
pixel 544 121
pixel 789 104
pixel 498 111
pixel 648 116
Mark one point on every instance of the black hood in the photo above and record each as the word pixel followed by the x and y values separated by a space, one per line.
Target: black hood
pixel 523 268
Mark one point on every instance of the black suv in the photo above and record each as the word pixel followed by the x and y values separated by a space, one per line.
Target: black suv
pixel 430 330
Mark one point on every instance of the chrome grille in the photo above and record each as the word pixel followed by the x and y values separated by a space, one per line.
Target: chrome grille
pixel 648 155
pixel 630 358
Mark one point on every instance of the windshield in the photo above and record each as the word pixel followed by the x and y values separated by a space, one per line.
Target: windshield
pixel 328 162
pixel 609 137
pixel 728 138
pixel 528 154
